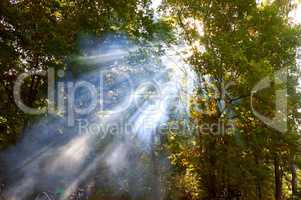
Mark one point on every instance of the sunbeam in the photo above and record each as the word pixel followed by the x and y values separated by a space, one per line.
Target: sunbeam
pixel 132 95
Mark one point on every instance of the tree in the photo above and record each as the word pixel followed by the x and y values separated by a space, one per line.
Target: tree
pixel 37 35
pixel 241 43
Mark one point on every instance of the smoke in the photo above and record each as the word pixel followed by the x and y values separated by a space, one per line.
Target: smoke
pixel 137 91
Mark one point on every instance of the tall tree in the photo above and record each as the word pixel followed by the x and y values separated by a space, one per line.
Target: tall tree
pixel 37 35
pixel 236 45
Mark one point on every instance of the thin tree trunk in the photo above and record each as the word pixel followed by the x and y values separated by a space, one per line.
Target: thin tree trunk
pixel 212 183
pixel 294 181
pixel 258 189
pixel 278 178
pixel 156 191
pixel 258 182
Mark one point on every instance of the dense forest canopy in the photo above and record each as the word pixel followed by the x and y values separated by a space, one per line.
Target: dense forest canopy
pixel 228 76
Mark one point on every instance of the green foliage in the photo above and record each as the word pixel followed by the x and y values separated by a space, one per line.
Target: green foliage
pixel 240 43
pixel 36 35
pixel 244 43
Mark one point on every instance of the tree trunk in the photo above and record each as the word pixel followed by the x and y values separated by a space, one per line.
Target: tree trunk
pixel 258 182
pixel 156 191
pixel 294 181
pixel 278 178
pixel 212 183
pixel 258 189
